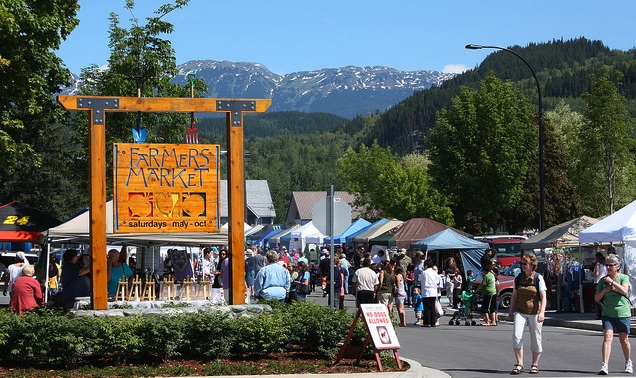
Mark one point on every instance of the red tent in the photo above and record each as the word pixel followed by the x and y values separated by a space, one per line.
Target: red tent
pixel 22 223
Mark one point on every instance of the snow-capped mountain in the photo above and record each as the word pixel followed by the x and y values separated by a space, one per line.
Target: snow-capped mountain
pixel 346 91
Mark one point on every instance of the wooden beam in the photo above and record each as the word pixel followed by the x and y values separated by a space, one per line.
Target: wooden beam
pixel 97 213
pixel 236 207
pixel 166 105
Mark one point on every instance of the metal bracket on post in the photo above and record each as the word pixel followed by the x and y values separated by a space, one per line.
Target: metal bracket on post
pixel 236 108
pixel 98 105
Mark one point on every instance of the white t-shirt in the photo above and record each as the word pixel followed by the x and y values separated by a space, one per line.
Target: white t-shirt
pixel 15 271
pixel 429 282
pixel 365 279
pixel 602 272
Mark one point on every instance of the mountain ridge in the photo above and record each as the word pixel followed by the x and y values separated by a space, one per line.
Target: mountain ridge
pixel 347 91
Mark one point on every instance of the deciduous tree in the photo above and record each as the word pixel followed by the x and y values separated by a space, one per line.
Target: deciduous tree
pixel 392 187
pixel 141 63
pixel 480 151
pixel 30 75
pixel 606 165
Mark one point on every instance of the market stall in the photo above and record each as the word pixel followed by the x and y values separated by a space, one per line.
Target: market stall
pixel 619 228
pixel 564 262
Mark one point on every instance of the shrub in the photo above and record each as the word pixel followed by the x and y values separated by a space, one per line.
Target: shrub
pixel 118 337
pixel 320 329
pixel 57 340
pixel 160 336
pixel 206 335
pixel 262 334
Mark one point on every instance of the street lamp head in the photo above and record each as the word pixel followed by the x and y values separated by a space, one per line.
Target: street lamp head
pixel 541 181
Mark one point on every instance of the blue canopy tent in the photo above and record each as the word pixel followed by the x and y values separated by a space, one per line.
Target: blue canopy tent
pixel 471 250
pixel 261 241
pixel 270 240
pixel 364 229
pixel 353 227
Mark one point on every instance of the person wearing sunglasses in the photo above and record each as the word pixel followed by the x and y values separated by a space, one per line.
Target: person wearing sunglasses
pixel 613 290
pixel 527 307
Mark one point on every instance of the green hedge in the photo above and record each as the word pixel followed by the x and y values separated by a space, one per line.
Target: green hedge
pixel 49 338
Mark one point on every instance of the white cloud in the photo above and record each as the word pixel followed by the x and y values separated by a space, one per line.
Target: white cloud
pixel 455 68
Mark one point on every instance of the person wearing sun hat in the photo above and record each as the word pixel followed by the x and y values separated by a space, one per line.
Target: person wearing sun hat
pixel 613 290
pixel 250 270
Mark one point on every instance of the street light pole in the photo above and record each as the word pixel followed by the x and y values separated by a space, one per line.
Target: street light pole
pixel 541 182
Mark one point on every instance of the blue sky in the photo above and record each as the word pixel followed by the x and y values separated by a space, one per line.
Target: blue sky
pixel 288 36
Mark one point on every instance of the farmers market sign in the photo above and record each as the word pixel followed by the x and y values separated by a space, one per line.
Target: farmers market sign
pixel 166 187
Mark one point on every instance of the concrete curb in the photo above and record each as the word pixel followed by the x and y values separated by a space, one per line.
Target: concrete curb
pixel 416 371
pixel 575 324
pixel 419 371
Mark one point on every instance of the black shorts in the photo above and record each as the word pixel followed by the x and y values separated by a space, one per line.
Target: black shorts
pixel 365 296
pixel 489 304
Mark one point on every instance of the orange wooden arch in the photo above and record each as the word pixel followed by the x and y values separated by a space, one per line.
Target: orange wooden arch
pixel 98 106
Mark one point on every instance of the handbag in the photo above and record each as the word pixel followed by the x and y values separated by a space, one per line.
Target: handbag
pixel 303 288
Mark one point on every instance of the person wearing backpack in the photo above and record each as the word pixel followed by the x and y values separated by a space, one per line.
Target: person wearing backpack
pixel 613 290
pixel 527 307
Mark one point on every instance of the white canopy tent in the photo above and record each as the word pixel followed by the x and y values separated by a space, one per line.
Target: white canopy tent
pixel 303 235
pixel 619 227
pixel 76 231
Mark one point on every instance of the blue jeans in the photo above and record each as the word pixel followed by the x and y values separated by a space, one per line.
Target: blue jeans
pixel 409 293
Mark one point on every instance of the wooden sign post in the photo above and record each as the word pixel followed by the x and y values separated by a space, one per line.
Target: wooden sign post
pixel 97 106
pixel 380 332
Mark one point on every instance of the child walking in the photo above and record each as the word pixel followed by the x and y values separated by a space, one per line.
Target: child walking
pixel 418 305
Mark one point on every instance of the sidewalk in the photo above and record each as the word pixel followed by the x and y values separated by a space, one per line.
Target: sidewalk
pixel 577 320
pixel 586 320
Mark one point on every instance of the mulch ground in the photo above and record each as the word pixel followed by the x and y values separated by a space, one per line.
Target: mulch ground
pixel 278 363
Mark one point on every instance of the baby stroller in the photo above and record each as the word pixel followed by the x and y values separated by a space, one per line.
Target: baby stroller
pixel 465 312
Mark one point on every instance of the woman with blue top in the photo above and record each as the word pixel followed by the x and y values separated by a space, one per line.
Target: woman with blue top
pixel 613 290
pixel 302 280
pixel 116 270
pixel 73 281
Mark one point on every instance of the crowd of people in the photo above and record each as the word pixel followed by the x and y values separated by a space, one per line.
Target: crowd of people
pixel 395 280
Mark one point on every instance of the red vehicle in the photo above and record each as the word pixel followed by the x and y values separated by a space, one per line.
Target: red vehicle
pixel 507 249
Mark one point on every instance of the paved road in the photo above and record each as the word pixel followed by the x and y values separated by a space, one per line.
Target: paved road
pixel 475 351
pixel 463 351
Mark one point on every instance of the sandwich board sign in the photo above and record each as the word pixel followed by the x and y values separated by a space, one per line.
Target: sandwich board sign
pixel 378 321
pixel 380 332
